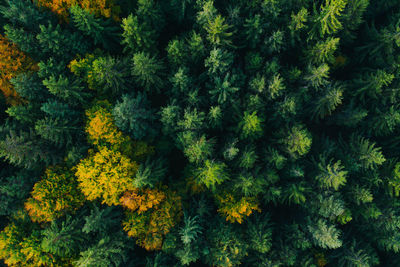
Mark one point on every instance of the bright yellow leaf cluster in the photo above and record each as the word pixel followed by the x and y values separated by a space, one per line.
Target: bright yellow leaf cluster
pixel 54 195
pixel 149 227
pixel 12 63
pixel 236 210
pixel 106 174
pixel 101 128
pixel 106 8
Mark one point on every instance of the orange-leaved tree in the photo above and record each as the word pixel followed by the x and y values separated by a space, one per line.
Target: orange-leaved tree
pixel 106 174
pixel 150 226
pixel 12 62
pixel 142 200
pixel 106 8
pixel 54 195
pixel 234 208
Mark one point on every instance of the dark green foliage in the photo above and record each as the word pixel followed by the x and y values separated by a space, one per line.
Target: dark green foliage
pixel 135 116
pixel 62 239
pixel 148 71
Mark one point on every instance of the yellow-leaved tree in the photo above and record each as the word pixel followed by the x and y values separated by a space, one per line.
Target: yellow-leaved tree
pixel 235 209
pixel 12 62
pixel 106 175
pixel 54 195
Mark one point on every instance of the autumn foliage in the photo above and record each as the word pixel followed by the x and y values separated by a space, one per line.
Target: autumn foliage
pixel 236 209
pixel 150 226
pixel 12 62
pixel 54 195
pixel 106 174
pixel 106 8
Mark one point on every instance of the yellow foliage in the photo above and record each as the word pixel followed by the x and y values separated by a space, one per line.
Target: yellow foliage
pixel 12 63
pixel 101 127
pixel 52 196
pixel 150 226
pixel 142 201
pixel 236 210
pixel 20 244
pixel 106 174
pixel 106 8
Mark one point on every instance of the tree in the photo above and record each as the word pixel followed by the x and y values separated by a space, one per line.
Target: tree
pixel 218 31
pixel 27 150
pixel 150 226
pixel 58 131
pixel 105 175
pixel 101 220
pixel 109 251
pixel 12 63
pixel 224 90
pixel 226 245
pixel 54 195
pixel 329 16
pixel 328 102
pixel 325 236
pixel 109 75
pixel 260 233
pixel 14 189
pixel 331 174
pixel 251 126
pixel 66 88
pixel 235 208
pixel 29 86
pixel 298 141
pixel 138 35
pixel 147 71
pixel 62 239
pixel 102 32
pixel 367 155
pixel 135 116
pixel 101 128
pixel 20 244
pixel 211 173
pixel 323 51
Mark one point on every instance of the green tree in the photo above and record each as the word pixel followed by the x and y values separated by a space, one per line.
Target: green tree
pixel 135 116
pixel 148 71
pixel 211 174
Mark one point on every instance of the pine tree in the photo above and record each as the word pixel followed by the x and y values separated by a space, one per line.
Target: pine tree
pixel 109 251
pixel 102 32
pixel 62 239
pixel 135 116
pixel 66 88
pixel 27 150
pixel 331 174
pixel 147 71
pixel 325 236
pixel 211 174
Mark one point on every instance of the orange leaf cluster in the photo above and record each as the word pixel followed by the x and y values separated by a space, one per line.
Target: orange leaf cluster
pixel 52 196
pixel 12 62
pixel 142 201
pixel 106 8
pixel 236 210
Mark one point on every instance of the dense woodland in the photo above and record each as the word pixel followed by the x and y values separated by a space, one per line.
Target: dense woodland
pixel 200 133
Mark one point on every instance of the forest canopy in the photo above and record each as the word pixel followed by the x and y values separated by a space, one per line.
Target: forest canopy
pixel 200 133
